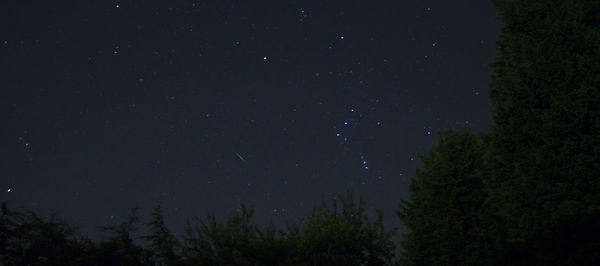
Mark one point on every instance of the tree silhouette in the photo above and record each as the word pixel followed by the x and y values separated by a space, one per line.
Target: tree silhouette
pixel 442 212
pixel 537 172
pixel 236 242
pixel 327 236
pixel 545 93
pixel 165 249
pixel 26 238
pixel 120 248
pixel 342 237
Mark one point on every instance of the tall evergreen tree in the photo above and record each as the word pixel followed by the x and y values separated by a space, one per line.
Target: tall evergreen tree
pixel 545 141
pixel 442 211
pixel 165 248
pixel 120 248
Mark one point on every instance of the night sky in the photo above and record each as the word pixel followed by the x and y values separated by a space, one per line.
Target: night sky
pixel 204 105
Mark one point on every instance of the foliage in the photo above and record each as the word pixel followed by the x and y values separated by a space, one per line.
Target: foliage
pixel 237 242
pixel 545 93
pixel 445 199
pixel 26 238
pixel 342 237
pixel 328 236
pixel 165 248
pixel 120 248
pixel 533 183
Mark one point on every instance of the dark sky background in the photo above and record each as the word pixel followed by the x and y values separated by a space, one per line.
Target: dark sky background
pixel 109 105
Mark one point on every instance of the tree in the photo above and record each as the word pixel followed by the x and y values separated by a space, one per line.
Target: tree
pixel 442 212
pixel 165 248
pixel 120 248
pixel 341 237
pixel 27 239
pixel 571 240
pixel 545 93
pixel 237 242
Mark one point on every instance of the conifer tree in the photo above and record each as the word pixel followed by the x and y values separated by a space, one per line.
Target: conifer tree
pixel 120 248
pixel 165 248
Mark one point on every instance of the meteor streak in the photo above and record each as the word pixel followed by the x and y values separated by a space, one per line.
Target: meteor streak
pixel 239 156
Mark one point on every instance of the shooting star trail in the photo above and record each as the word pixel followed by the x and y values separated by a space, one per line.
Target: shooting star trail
pixel 239 156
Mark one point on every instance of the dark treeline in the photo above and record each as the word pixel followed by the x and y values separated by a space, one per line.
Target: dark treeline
pixel 528 193
pixel 340 235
